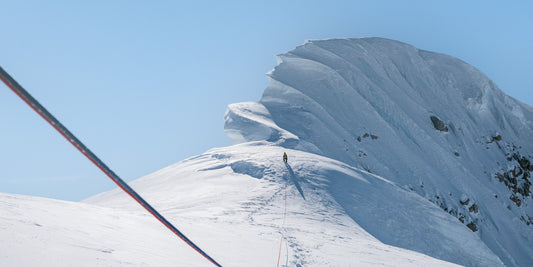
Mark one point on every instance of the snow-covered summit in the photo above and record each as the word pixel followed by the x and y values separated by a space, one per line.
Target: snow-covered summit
pixel 397 157
pixel 427 121
pixel 324 208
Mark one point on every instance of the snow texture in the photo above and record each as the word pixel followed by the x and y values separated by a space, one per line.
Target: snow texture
pixel 242 192
pixel 426 121
pixel 231 201
pixel 397 157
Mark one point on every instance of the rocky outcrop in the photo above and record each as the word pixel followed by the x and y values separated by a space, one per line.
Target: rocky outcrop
pixel 517 177
pixel 438 124
pixel 472 226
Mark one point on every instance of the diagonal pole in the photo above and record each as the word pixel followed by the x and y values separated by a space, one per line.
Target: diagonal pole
pixel 37 107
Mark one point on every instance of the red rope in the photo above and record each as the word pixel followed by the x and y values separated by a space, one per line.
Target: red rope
pixel 283 224
pixel 37 107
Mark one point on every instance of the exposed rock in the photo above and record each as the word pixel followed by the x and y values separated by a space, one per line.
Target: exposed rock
pixel 516 172
pixel 516 200
pixel 366 135
pixel 472 226
pixel 517 178
pixel 438 124
pixel 527 220
pixel 495 138
pixel 473 208
pixel 453 212
pixel 524 163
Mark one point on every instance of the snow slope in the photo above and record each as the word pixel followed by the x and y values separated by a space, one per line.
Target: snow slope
pixel 244 188
pixel 231 201
pixel 426 121
pixel 397 157
pixel 45 232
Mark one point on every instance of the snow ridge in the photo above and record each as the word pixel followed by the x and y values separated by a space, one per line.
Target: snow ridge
pixel 374 104
pixel 397 157
pixel 244 189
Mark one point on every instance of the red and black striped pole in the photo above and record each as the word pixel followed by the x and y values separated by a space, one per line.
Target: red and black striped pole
pixel 37 107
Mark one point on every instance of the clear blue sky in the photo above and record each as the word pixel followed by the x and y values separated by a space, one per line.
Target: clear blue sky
pixel 145 83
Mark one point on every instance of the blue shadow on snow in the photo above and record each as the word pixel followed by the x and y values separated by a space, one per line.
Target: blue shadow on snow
pixel 294 179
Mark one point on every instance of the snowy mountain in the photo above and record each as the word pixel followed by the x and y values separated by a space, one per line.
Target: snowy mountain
pixel 235 203
pixel 426 121
pixel 397 157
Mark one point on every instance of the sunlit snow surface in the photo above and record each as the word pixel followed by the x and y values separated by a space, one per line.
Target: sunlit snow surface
pixel 367 183
pixel 230 201
pixel 367 102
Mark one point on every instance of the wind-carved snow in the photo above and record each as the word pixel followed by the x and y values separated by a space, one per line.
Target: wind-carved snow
pixel 257 121
pixel 251 121
pixel 368 102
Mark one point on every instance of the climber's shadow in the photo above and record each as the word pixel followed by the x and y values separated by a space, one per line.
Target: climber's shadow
pixel 294 179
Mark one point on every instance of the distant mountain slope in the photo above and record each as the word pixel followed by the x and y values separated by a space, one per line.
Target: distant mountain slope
pixel 427 121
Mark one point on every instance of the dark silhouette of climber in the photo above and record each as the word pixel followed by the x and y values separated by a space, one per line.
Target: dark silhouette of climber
pixel 292 176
